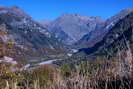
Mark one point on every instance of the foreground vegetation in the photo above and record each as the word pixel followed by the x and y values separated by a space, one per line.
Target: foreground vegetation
pixel 100 73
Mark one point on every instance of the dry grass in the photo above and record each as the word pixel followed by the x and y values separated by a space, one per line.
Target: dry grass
pixel 100 73
pixel 111 74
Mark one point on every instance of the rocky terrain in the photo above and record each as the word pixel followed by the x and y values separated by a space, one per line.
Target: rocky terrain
pixel 116 42
pixel 96 35
pixel 70 52
pixel 117 38
pixel 70 28
pixel 27 37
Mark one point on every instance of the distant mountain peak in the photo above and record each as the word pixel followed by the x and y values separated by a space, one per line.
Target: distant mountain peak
pixel 129 9
pixel 45 22
pixel 72 27
pixel 25 32
pixel 81 17
pixel 96 35
pixel 74 15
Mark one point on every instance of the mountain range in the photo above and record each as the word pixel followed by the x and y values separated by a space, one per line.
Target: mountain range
pixel 82 31
pixel 25 34
pixel 94 36
pixel 64 37
pixel 118 38
pixel 70 28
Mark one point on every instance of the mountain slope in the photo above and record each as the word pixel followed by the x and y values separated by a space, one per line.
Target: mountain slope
pixel 119 38
pixel 70 28
pixel 117 43
pixel 95 36
pixel 27 34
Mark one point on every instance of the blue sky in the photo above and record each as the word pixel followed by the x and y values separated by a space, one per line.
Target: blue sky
pixel 51 9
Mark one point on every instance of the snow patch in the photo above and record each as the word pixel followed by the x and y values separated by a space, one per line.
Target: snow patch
pixel 8 60
pixel 24 21
pixel 69 54
pixel 74 50
pixel 110 25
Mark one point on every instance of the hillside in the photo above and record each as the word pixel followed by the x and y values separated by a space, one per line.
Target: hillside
pixel 98 34
pixel 70 28
pixel 45 56
pixel 117 39
pixel 26 34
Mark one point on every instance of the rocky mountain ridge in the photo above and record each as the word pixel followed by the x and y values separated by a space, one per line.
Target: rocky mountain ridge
pixel 29 37
pixel 70 28
pixel 97 35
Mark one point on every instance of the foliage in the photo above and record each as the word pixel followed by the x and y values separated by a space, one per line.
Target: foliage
pixel 98 73
pixel 10 43
pixel 65 70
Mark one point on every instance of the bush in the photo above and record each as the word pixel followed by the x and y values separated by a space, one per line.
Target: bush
pixel 65 70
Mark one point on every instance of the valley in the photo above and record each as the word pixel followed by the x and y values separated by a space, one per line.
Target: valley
pixel 70 52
